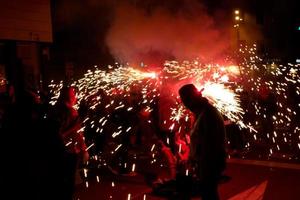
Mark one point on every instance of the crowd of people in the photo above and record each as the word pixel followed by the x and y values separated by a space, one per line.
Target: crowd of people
pixel 48 144
pixel 43 146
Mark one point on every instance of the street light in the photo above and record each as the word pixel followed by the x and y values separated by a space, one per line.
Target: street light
pixel 237 15
pixel 237 19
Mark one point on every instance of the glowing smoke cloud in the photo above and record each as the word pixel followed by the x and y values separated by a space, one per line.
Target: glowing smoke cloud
pixel 137 35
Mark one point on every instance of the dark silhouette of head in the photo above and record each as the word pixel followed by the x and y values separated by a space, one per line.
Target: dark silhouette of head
pixel 192 98
pixel 67 96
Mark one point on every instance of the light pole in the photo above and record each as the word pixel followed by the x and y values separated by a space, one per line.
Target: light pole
pixel 237 20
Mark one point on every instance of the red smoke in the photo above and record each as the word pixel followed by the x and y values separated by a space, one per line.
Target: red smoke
pixel 136 35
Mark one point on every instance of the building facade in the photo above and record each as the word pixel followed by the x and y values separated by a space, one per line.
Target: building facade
pixel 25 34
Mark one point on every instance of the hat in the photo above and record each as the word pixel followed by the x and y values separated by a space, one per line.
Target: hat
pixel 192 98
pixel 189 90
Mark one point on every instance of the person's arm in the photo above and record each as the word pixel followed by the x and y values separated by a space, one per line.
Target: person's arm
pixel 69 132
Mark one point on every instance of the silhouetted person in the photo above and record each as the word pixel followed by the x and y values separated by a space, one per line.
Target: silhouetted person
pixel 17 133
pixel 207 145
pixel 69 125
pixel 30 171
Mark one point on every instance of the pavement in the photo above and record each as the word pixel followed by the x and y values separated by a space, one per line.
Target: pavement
pixel 250 180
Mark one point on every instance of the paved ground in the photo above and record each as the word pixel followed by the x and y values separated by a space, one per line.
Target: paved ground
pixel 250 180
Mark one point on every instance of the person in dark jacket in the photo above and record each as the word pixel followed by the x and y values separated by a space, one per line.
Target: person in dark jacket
pixel 207 146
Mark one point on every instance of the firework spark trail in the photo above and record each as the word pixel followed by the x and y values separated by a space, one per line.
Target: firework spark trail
pixel 255 75
pixel 280 82
pixel 121 80
pixel 117 85
pixel 222 85
pixel 199 72
pixel 226 101
pixel 211 78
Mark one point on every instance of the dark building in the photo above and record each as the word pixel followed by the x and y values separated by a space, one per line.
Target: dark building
pixel 25 34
